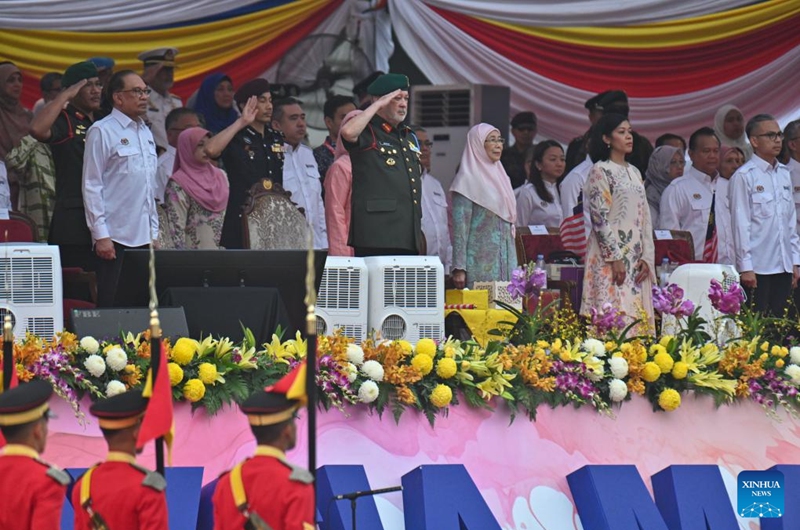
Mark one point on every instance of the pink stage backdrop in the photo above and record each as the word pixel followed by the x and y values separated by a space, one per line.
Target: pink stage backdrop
pixel 519 468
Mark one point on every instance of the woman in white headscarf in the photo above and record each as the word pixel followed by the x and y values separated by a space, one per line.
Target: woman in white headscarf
pixel 666 164
pixel 729 126
pixel 484 211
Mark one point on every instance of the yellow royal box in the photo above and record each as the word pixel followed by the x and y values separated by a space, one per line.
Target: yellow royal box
pixel 479 298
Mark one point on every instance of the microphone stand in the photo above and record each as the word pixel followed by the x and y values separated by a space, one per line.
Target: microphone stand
pixel 353 497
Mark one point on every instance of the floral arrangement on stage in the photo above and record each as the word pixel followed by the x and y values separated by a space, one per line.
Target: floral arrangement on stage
pixel 546 356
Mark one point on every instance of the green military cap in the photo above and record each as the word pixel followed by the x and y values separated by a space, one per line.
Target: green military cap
pixel 120 411
pixel 388 83
pixel 25 403
pixel 78 71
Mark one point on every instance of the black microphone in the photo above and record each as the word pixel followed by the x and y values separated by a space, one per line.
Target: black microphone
pixel 357 494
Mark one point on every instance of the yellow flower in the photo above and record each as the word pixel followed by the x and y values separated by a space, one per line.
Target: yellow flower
pixel 779 363
pixel 556 346
pixel 175 374
pixel 441 396
pixel 426 347
pixel 669 399
pixel 651 372
pixel 763 357
pixel 423 363
pixel 446 368
pixel 764 346
pixel 465 365
pixel 208 374
pixel 626 347
pixel 542 344
pixel 610 345
pixel 183 351
pixel 449 352
pixel 679 370
pixel 194 390
pixel 664 361
pixel 406 346
pixel 665 340
pixel 655 349
pixel 776 351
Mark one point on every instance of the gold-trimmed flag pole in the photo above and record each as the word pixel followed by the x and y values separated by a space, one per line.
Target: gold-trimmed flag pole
pixel 311 356
pixel 9 370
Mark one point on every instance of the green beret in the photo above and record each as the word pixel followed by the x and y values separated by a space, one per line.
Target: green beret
pixel 78 71
pixel 388 83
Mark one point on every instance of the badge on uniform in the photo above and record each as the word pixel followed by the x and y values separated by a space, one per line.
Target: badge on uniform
pixel 390 161
pixel 386 127
pixel 697 196
pixel 124 141
pixel 249 152
pixel 247 140
pixel 277 148
pixel 413 147
pixel 759 189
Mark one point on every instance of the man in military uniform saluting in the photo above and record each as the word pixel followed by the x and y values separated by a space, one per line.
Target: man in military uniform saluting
pixel 387 175
pixel 118 492
pixel 266 488
pixel 159 74
pixel 32 491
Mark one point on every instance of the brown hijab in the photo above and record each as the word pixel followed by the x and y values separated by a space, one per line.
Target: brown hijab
pixel 15 119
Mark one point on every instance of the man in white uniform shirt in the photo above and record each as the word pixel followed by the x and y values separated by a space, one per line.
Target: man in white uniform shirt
pixel 434 206
pixel 791 137
pixel 159 74
pixel 178 120
pixel 686 203
pixel 572 186
pixel 300 172
pixel 764 220
pixel 119 170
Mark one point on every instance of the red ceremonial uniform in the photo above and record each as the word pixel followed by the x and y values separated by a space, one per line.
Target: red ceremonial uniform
pixel 31 491
pixel 125 495
pixel 283 495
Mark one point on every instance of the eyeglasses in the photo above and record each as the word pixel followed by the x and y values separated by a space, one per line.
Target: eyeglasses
pixel 677 162
pixel 772 135
pixel 138 92
pixel 500 141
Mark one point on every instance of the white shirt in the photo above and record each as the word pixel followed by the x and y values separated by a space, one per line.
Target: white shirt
pixel 301 178
pixel 5 192
pixel 726 253
pixel 794 171
pixel 533 210
pixel 434 220
pixel 158 107
pixel 119 170
pixel 686 205
pixel 572 186
pixel 764 218
pixel 166 163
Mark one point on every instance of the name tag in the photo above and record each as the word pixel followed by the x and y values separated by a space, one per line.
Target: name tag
pixel 663 234
pixel 538 230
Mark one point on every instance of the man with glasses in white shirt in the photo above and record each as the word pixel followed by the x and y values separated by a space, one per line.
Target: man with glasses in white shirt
pixel 764 219
pixel 119 172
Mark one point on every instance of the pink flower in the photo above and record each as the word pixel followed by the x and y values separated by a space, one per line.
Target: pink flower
pixel 727 301
pixel 669 301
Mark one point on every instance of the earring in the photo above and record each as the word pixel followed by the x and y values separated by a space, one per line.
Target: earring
pixel 608 145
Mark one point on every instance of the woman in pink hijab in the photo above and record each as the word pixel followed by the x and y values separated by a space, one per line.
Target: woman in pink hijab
pixel 196 195
pixel 484 212
pixel 338 189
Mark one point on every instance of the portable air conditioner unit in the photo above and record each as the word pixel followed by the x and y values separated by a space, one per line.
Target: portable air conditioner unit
pixel 447 112
pixel 695 280
pixel 342 301
pixel 406 297
pixel 31 290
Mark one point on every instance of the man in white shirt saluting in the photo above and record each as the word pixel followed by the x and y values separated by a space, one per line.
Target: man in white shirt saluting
pixel 764 219
pixel 119 170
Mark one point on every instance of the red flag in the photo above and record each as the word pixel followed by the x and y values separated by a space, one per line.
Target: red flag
pixel 292 384
pixel 158 418
pixel 573 232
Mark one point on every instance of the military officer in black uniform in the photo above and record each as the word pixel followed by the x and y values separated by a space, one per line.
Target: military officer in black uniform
pixel 255 153
pixel 386 197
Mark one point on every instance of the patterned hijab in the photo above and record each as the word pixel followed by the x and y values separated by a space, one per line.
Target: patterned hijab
pixel 482 181
pixel 205 183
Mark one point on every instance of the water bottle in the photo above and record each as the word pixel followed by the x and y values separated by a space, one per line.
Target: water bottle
pixel 664 274
pixel 540 264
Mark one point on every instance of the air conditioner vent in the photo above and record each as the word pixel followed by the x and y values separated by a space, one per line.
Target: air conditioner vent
pixel 410 287
pixel 340 288
pixel 445 108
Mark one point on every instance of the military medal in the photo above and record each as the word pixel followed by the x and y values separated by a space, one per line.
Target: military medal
pixel 124 141
pixel 759 189
pixel 390 161
pixel 696 196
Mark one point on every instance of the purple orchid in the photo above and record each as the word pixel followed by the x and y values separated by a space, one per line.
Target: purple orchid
pixel 728 301
pixel 526 281
pixel 607 319
pixel 669 300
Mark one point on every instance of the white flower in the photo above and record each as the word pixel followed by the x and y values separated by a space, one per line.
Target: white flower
pixel 594 347
pixel 355 354
pixel 90 344
pixel 794 354
pixel 373 370
pixel 368 392
pixel 618 366
pixel 116 359
pixel 617 390
pixel 351 371
pixel 95 364
pixel 793 371
pixel 114 387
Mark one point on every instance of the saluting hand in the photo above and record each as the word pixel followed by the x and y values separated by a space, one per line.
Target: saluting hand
pixel 72 91
pixel 387 98
pixel 250 110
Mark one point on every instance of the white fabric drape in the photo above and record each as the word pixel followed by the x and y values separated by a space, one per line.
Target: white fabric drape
pixel 586 12
pixel 108 15
pixel 446 55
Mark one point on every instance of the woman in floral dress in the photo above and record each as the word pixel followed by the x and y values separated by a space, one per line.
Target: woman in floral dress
pixel 620 250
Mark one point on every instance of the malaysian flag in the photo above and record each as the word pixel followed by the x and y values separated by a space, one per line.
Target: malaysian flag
pixel 710 247
pixel 573 230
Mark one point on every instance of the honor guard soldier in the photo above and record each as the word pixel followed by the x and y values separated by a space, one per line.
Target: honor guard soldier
pixel 386 197
pixel 255 153
pixel 32 492
pixel 266 491
pixel 159 74
pixel 119 494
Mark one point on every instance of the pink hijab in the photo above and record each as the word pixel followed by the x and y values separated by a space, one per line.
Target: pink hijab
pixel 205 183
pixel 482 181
